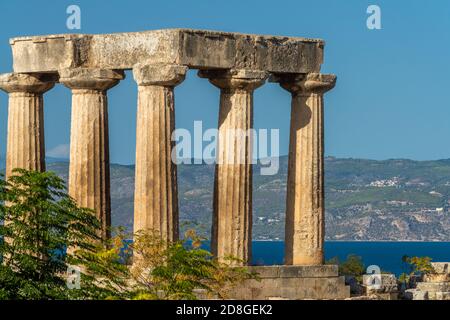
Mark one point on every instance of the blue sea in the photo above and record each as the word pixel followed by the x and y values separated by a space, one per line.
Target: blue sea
pixel 387 255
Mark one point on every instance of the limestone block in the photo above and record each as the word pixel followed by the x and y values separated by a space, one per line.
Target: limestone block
pixel 433 286
pixel 30 83
pixel 441 272
pixel 90 79
pixel 388 284
pixel 442 295
pixel 386 295
pixel 441 267
pixel 415 294
pixel 318 271
pixel 275 282
pixel 199 49
pixel 162 75
pixel 439 277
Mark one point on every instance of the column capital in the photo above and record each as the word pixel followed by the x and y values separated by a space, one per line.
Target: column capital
pixel 305 84
pixel 36 83
pixel 235 79
pixel 90 79
pixel 168 75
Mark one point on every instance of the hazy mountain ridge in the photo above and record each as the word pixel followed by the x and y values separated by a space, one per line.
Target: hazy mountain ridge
pixel 365 199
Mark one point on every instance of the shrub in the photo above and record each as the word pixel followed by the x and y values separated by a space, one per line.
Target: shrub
pixel 40 221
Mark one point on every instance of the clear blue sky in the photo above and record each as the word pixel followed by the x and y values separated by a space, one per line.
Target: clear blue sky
pixel 391 99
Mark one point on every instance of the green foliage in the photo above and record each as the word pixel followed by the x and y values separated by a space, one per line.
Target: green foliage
pixel 404 278
pixel 418 265
pixel 353 266
pixel 177 270
pixel 421 264
pixel 415 266
pixel 40 222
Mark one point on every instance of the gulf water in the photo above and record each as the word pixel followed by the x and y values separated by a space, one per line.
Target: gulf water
pixel 387 255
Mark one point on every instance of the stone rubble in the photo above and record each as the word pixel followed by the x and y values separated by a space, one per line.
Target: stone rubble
pixel 435 286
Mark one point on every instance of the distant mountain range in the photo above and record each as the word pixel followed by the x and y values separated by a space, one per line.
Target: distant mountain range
pixel 48 160
pixel 365 199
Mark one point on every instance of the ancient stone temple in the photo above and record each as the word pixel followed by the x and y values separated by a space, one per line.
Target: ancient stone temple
pixel 237 64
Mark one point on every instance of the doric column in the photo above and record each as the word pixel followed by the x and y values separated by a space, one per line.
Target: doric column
pixel 305 219
pixel 155 195
pixel 25 143
pixel 232 217
pixel 89 181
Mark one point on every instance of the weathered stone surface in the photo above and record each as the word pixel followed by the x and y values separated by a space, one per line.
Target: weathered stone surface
pixel 387 295
pixel 155 197
pixel 168 75
pixel 318 271
pixel 417 294
pixel 442 295
pixel 296 282
pixel 441 267
pixel 438 277
pixel 414 294
pixel 359 298
pixel 436 285
pixel 25 141
pixel 29 83
pixel 194 48
pixel 89 182
pixel 388 284
pixel 305 221
pixel 232 217
pixel 90 79
pixel 433 286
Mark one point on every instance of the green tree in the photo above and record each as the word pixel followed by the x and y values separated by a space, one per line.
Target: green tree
pixel 353 266
pixel 40 221
pixel 421 265
pixel 177 270
pixel 415 266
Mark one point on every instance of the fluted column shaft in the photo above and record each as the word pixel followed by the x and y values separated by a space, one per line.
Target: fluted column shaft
pixel 156 196
pixel 89 176
pixel 231 232
pixel 305 218
pixel 25 141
